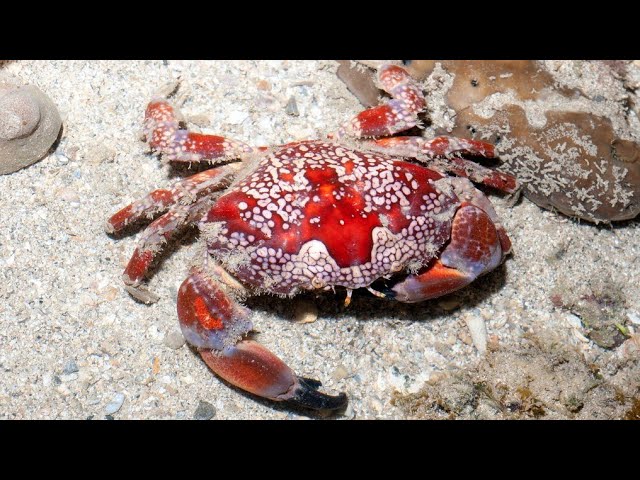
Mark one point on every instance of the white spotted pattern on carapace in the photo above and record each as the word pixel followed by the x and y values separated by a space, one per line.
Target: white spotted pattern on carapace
pixel 313 215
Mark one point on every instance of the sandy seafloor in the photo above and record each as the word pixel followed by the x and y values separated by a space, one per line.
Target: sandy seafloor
pixel 73 342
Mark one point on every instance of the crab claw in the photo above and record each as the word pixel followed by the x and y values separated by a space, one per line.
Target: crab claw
pixel 306 395
pixel 212 321
pixel 477 247
pixel 251 367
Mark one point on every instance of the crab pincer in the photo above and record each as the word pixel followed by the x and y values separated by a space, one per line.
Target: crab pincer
pixel 212 321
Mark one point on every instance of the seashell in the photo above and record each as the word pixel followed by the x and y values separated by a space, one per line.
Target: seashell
pixel 29 125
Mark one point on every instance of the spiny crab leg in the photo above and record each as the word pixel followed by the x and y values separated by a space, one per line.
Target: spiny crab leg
pixel 213 321
pixel 184 191
pixel 151 241
pixel 397 115
pixel 444 153
pixel 400 114
pixel 163 133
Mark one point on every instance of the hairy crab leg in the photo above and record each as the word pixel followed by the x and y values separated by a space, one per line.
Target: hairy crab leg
pixel 163 133
pixel 477 246
pixel 152 240
pixel 444 153
pixel 399 114
pixel 184 191
pixel 213 322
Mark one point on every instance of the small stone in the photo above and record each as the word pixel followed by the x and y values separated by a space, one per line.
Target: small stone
pixel 115 404
pixel 292 107
pixel 450 340
pixel 493 344
pixel 634 317
pixel 478 331
pixel 155 368
pixel 109 293
pixel 263 85
pixel 174 340
pixel 465 337
pixel 200 120
pixel 70 367
pixel 339 373
pixel 349 413
pixel 100 153
pixel 305 312
pixel 205 411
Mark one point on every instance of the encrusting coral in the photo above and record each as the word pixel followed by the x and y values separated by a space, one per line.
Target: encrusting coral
pixel 563 128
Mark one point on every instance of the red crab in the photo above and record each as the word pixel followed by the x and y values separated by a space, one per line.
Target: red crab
pixel 315 215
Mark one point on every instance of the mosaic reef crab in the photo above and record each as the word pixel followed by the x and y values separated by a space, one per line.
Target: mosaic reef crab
pixel 315 215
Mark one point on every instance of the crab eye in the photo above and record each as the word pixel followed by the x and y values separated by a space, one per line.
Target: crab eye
pixel 406 62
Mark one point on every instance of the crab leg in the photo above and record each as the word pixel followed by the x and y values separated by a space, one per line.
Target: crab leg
pixel 478 245
pixel 444 153
pixel 184 191
pixel 151 241
pixel 215 324
pixel 163 132
pixel 399 114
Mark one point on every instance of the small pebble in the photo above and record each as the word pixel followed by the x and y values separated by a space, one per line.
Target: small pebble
pixel 263 85
pixel 174 340
pixel 115 405
pixel 292 107
pixel 634 317
pixel 478 331
pixel 205 411
pixel 305 312
pixel 349 413
pixel 339 373
pixel 70 367
pixel 574 320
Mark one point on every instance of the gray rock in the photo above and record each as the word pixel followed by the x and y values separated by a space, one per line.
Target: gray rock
pixel 115 404
pixel 174 340
pixel 70 367
pixel 292 107
pixel 205 411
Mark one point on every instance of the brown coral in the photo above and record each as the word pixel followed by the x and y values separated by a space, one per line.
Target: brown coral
pixel 570 142
pixel 29 125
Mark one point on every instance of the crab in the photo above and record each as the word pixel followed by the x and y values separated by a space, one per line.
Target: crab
pixel 357 207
